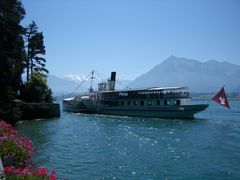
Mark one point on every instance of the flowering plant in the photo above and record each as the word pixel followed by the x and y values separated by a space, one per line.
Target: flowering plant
pixel 16 154
pixel 14 149
pixel 26 174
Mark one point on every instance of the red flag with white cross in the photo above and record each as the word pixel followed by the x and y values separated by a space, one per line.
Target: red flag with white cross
pixel 221 98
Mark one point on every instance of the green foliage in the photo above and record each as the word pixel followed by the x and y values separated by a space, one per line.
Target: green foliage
pixel 35 49
pixel 36 89
pixel 9 109
pixel 16 56
pixel 11 56
pixel 39 110
pixel 11 43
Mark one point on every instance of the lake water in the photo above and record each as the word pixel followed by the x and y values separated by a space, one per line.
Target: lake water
pixel 82 146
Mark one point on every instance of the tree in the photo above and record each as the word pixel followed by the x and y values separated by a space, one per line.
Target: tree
pixel 36 89
pixel 11 56
pixel 35 49
pixel 30 31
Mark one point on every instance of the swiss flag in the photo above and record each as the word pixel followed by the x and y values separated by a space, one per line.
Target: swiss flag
pixel 221 98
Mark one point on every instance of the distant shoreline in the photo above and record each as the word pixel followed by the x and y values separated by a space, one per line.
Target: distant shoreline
pixel 209 96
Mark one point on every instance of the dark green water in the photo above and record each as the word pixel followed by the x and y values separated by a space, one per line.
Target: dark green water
pixel 82 146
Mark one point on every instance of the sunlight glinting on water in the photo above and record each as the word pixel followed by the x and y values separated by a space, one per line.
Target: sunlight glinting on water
pixel 80 146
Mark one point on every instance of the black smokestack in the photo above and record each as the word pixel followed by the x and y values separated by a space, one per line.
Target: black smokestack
pixel 113 76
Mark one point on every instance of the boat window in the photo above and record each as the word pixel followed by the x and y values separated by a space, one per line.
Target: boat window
pixel 113 103
pixel 122 103
pixel 135 103
pixel 177 102
pixel 142 103
pixel 166 102
pixel 158 102
pixel 129 103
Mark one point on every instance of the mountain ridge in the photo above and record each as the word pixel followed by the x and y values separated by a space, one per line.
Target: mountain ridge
pixel 71 83
pixel 200 77
pixel 208 76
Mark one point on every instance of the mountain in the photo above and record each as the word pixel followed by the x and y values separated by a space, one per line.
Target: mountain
pixel 62 86
pixel 76 84
pixel 209 76
pixel 120 83
pixel 76 78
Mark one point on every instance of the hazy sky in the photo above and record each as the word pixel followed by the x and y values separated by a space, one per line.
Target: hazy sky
pixel 132 36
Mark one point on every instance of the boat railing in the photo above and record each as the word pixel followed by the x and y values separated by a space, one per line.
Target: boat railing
pixel 148 96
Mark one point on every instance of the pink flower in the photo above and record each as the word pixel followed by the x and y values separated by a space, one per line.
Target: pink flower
pixel 8 170
pixel 53 176
pixel 12 145
pixel 25 172
pixel 18 151
pixel 18 171
pixel 3 138
pixel 42 171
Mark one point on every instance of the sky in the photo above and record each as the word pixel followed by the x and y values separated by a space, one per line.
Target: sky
pixel 133 36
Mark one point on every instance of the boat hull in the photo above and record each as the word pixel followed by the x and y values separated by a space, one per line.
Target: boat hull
pixel 176 112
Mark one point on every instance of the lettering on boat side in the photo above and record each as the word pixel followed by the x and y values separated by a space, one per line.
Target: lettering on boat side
pixel 181 109
pixel 123 94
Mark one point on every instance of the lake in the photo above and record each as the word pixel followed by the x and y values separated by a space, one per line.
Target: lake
pixel 80 146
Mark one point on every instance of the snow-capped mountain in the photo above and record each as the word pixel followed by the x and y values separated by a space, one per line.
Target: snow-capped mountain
pixel 76 78
pixel 77 83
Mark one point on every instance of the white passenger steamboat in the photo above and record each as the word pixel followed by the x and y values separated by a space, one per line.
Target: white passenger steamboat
pixel 160 102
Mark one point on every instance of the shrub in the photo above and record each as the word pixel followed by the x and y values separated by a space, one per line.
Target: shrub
pixel 16 154
pixel 14 149
pixel 36 89
pixel 26 174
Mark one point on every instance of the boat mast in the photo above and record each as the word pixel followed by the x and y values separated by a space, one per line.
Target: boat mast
pixel 92 77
